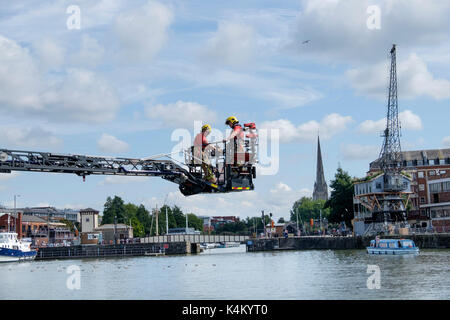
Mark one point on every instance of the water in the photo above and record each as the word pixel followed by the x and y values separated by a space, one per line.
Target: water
pixel 232 273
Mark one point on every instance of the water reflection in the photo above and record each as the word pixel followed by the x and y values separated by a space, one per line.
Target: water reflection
pixel 231 273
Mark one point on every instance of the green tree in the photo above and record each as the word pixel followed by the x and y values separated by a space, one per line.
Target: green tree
pixel 144 218
pixel 195 222
pixel 306 208
pixel 281 220
pixel 341 199
pixel 114 208
pixel 138 228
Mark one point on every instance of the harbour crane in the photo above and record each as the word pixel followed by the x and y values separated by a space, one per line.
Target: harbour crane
pixel 234 171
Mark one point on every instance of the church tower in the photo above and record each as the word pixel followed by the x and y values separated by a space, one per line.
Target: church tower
pixel 320 186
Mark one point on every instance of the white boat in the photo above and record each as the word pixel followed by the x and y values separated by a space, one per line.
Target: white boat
pixel 13 249
pixel 392 246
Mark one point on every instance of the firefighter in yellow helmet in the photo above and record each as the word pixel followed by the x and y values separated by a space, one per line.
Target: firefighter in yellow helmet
pixel 236 136
pixel 202 150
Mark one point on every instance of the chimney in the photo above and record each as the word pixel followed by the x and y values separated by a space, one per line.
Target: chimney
pixel 19 225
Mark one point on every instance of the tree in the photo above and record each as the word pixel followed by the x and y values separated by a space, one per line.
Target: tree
pixel 232 227
pixel 144 218
pixel 341 199
pixel 195 222
pixel 281 220
pixel 306 208
pixel 114 208
pixel 138 228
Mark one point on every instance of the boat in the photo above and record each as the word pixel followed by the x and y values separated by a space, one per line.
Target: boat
pixel 13 249
pixel 392 246
pixel 229 244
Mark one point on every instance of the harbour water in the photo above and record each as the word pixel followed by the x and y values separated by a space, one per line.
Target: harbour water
pixel 232 273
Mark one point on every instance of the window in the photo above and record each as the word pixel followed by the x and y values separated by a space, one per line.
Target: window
pixel 420 174
pixel 378 185
pixel 409 163
pixel 431 162
pixel 446 186
pixel 422 200
pixel 420 162
pixel 435 187
pixel 441 161
pixel 421 187
pixel 87 219
pixel 431 173
pixel 442 172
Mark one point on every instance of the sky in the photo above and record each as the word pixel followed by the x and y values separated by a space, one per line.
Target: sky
pixel 122 78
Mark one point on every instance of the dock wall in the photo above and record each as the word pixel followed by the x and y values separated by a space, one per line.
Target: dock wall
pixel 122 250
pixel 427 241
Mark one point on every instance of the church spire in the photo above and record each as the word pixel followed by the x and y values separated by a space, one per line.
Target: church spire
pixel 320 186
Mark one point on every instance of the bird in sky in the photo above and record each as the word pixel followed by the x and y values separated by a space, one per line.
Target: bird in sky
pixel 306 41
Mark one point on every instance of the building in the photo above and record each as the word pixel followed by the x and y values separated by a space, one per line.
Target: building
pixel 37 229
pixel 183 231
pixel 121 232
pixel 52 213
pixel 88 219
pixel 275 230
pixel 207 223
pixel 320 186
pixel 220 220
pixel 430 201
pixel 373 206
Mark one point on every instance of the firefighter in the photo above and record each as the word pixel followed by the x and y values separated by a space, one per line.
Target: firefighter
pixel 202 150
pixel 236 136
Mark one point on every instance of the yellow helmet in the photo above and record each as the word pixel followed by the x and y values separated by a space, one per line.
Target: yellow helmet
pixel 206 127
pixel 231 120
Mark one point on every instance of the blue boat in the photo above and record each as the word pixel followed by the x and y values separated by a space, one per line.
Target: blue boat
pixel 392 247
pixel 12 249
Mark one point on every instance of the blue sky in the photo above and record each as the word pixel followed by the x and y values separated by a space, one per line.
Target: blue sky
pixel 136 71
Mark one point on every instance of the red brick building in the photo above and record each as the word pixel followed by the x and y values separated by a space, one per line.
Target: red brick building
pixel 35 228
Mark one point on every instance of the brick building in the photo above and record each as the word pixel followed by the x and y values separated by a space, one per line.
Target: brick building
pixel 35 228
pixel 430 202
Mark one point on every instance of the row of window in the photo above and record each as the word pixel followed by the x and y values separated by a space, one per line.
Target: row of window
pixel 440 187
pixel 431 173
pixel 429 162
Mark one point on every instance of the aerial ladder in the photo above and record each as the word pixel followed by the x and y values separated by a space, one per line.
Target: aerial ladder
pixel 232 176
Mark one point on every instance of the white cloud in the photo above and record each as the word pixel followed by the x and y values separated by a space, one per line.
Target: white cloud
pixel 338 28
pixel 142 32
pixel 446 142
pixel 19 77
pixel 75 94
pixel 278 200
pixel 8 176
pixel 51 55
pixel 408 121
pixel 330 125
pixel 414 80
pixel 122 180
pixel 181 114
pixel 91 52
pixel 82 95
pixel 233 44
pixel 74 206
pixel 109 143
pixel 359 152
pixel 14 137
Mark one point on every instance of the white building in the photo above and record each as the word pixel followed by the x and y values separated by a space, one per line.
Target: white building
pixel 89 219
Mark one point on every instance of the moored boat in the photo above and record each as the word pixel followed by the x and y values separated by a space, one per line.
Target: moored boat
pixel 13 249
pixel 392 247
